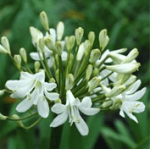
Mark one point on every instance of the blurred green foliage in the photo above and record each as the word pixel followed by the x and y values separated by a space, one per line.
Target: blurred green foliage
pixel 127 25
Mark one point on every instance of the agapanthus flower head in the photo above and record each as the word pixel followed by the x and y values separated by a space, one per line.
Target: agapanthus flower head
pixel 71 76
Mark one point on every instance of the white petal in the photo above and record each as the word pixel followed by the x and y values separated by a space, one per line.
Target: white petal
pixel 64 56
pixel 89 111
pixel 134 87
pixel 50 61
pixel 53 34
pixel 86 102
pixel 26 75
pixel 122 113
pixel 52 96
pixel 23 89
pixel 131 116
pixel 24 105
pixel 137 95
pixel 50 86
pixel 12 84
pixel 82 126
pixel 58 108
pixel 60 119
pixel 43 108
pixel 35 56
pixel 70 97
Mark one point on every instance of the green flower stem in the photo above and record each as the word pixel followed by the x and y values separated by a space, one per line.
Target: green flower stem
pixel 46 64
pixel 23 118
pixel 55 138
pixel 29 70
pixel 60 75
pixel 107 76
pixel 32 125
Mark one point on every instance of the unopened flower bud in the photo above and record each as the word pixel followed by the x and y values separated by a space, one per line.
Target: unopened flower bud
pixel 59 47
pixel 89 72
pixel 116 105
pixel 50 44
pixel 3 50
pixel 70 41
pixel 131 56
pixel 60 30
pixel 16 117
pixel 107 104
pixel 41 44
pixel 2 92
pixel 91 37
pixel 95 72
pixel 37 66
pixel 52 80
pixel 3 117
pixel 103 39
pixel 69 82
pixel 116 91
pixel 80 52
pixel 93 83
pixel 5 44
pixel 124 68
pixel 79 34
pixel 44 20
pixel 36 35
pixel 58 100
pixel 95 55
pixel 23 54
pixel 17 59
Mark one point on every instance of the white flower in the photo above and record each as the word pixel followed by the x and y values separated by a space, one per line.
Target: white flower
pixel 71 110
pixel 34 91
pixel 129 101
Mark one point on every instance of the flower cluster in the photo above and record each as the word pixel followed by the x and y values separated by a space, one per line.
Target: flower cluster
pixel 71 77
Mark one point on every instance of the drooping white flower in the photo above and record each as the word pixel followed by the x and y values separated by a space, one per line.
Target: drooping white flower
pixel 71 110
pixel 33 89
pixel 128 100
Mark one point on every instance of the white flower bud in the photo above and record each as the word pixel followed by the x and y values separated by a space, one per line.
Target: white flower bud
pixel 131 56
pixel 95 55
pixel 23 54
pixel 124 68
pixel 5 44
pixel 89 72
pixel 3 50
pixel 103 39
pixel 116 105
pixel 44 20
pixel 50 44
pixel 79 34
pixel 93 83
pixel 70 41
pixel 107 104
pixel 80 52
pixel 2 92
pixel 59 47
pixel 17 59
pixel 69 82
pixel 3 117
pixel 37 66
pixel 60 30
pixel 91 37
pixel 36 35
pixel 16 117
pixel 41 44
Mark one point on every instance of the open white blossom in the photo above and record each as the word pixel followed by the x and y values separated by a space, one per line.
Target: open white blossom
pixel 33 89
pixel 127 100
pixel 71 110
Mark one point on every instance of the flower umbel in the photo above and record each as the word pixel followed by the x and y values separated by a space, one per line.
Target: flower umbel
pixel 71 76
